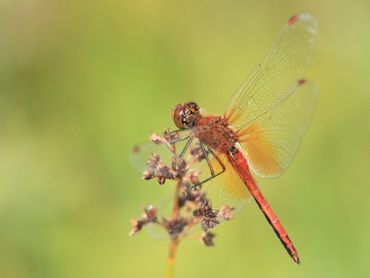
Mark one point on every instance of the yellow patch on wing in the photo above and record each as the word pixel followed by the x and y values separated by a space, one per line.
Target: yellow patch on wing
pixel 262 155
pixel 227 188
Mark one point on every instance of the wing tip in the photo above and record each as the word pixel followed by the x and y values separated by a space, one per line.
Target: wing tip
pixel 305 82
pixel 293 19
pixel 301 82
pixel 304 17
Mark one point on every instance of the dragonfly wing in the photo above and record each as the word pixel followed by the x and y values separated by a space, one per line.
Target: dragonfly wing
pixel 226 189
pixel 275 78
pixel 226 192
pixel 140 154
pixel 273 139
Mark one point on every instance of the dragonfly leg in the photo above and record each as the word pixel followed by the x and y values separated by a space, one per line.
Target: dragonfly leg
pixel 207 159
pixel 213 174
pixel 218 160
pixel 186 146
pixel 178 139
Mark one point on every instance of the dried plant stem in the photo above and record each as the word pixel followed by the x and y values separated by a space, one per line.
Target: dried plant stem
pixel 176 208
pixel 175 240
pixel 191 206
pixel 171 258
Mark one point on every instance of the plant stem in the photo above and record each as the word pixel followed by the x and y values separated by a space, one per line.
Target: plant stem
pixel 175 207
pixel 171 258
pixel 175 240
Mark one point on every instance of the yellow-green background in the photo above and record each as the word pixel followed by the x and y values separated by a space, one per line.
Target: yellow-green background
pixel 83 81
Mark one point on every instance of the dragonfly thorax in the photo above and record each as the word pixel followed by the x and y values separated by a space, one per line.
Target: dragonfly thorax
pixel 215 132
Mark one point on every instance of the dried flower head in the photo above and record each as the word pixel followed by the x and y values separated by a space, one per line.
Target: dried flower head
pixel 150 213
pixel 194 177
pixel 157 169
pixel 191 205
pixel 157 139
pixel 175 226
pixel 207 239
pixel 226 213
pixel 170 136
pixel 197 153
pixel 179 166
pixel 149 216
pixel 137 225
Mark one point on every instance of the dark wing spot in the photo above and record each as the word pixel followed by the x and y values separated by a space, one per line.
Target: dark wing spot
pixel 136 149
pixel 300 82
pixel 293 20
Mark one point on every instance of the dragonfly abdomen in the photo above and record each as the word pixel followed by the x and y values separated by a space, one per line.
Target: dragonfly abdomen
pixel 239 163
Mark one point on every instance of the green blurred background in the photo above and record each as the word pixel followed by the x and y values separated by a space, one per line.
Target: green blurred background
pixel 81 82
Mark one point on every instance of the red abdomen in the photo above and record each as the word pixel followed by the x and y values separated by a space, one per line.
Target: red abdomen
pixel 239 163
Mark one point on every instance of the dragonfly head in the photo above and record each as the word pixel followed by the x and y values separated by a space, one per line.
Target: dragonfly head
pixel 186 115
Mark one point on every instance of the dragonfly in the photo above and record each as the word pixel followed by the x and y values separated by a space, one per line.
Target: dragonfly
pixel 262 128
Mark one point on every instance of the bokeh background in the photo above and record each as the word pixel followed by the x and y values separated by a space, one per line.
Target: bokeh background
pixel 81 82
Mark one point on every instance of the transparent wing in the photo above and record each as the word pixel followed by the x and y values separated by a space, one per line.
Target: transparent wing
pixel 275 78
pixel 226 193
pixel 271 141
pixel 139 155
pixel 226 189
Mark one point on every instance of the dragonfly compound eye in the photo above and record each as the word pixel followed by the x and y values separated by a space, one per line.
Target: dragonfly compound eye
pixel 192 107
pixel 178 116
pixel 186 115
pixel 191 114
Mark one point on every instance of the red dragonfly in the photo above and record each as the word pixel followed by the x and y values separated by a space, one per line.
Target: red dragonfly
pixel 265 120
